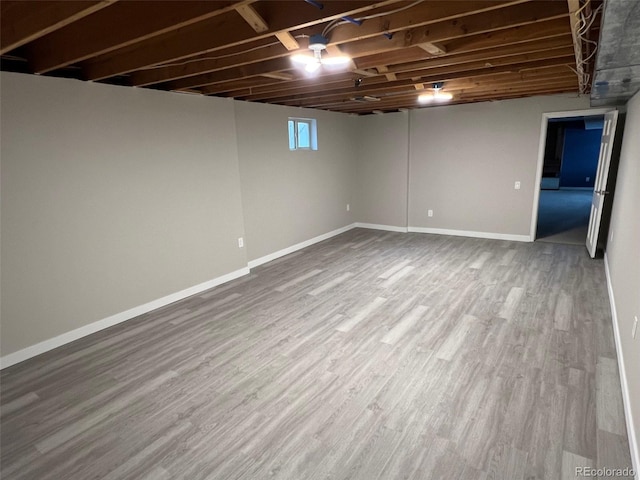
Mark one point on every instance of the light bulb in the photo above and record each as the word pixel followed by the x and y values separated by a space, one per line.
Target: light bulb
pixel 440 96
pixel 304 59
pixel 426 98
pixel 312 66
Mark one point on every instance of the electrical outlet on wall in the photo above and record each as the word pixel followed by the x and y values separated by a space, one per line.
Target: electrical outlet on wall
pixel 348 207
pixel 516 186
pixel 429 213
pixel 240 242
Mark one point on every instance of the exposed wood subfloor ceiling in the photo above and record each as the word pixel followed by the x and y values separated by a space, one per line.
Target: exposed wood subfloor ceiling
pixel 480 50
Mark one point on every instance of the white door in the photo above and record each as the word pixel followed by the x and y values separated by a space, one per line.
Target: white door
pixel 599 189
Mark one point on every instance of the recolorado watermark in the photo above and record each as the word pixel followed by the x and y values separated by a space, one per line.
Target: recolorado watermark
pixel 604 472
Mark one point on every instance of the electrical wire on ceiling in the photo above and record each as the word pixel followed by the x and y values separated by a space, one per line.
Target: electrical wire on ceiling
pixel 592 18
pixel 330 26
pixel 584 31
pixel 344 20
pixel 584 24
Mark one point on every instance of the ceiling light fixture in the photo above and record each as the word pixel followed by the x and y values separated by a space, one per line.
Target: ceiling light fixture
pixel 436 96
pixel 318 43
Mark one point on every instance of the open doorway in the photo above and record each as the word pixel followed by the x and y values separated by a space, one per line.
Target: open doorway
pixel 568 176
pixel 563 203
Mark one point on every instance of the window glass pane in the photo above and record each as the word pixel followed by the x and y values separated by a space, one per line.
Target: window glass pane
pixel 292 135
pixel 304 138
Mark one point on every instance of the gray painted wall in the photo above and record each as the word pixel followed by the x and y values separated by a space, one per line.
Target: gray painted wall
pixel 111 198
pixel 623 253
pixel 383 160
pixel 292 196
pixel 114 197
pixel 464 160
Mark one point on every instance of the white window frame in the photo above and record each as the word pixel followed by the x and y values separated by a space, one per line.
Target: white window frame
pixel 313 133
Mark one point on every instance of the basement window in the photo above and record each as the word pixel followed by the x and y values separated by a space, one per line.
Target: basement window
pixel 303 134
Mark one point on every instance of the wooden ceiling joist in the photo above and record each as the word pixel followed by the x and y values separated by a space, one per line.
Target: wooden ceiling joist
pixel 469 85
pixel 417 72
pixel 96 35
pixel 394 57
pixel 202 67
pixel 481 49
pixel 507 50
pixel 328 82
pixel 497 80
pixel 248 83
pixel 421 14
pixel 250 70
pixel 411 100
pixel 23 22
pixel 287 40
pixel 234 57
pixel 544 30
pixel 252 17
pixel 415 105
pixel 480 23
pixel 511 36
pixel 197 39
pixel 364 72
pixel 278 76
pixel 376 86
pixel 434 49
pixel 551 57
pixel 406 99
pixel 442 73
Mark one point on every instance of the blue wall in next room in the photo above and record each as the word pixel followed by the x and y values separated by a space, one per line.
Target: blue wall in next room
pixel 580 157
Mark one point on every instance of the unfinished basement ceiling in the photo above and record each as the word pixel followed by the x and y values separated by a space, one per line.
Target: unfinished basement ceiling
pixel 617 75
pixel 480 50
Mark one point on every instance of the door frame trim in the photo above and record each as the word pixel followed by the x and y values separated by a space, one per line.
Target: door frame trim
pixel 541 147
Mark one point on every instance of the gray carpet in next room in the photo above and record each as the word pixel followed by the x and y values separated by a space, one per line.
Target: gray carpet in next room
pixel 563 215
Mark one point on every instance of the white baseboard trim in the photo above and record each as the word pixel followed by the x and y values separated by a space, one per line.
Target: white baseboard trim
pixel 55 342
pixel 465 233
pixel 388 228
pixel 298 246
pixel 63 339
pixel 626 398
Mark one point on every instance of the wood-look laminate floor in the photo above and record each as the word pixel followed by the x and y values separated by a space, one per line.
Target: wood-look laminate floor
pixel 373 355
